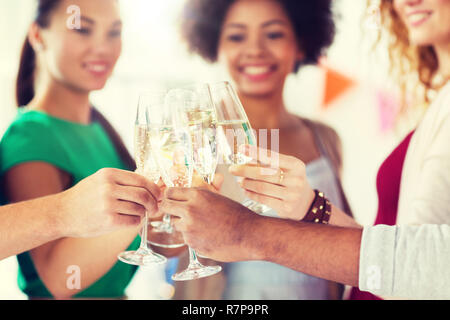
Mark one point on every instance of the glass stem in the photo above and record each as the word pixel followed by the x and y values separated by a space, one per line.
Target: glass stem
pixel 166 221
pixel 144 233
pixel 193 259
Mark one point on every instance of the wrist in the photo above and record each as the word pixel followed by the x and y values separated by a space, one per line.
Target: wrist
pixel 256 242
pixel 309 203
pixel 320 209
pixel 58 216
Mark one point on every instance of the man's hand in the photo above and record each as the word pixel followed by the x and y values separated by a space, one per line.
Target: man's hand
pixel 106 201
pixel 212 224
pixel 197 182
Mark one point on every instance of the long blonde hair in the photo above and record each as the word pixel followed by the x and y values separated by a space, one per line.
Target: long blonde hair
pixel 413 67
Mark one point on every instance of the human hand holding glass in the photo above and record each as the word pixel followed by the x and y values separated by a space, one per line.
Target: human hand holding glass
pixel 283 187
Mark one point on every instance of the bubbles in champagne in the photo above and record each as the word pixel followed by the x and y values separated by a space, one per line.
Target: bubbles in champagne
pixel 141 146
pixel 145 162
pixel 202 127
pixel 172 150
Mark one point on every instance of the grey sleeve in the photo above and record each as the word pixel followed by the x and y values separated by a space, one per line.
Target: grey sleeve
pixel 406 261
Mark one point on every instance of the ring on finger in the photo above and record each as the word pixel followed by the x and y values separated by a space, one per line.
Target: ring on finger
pixel 281 176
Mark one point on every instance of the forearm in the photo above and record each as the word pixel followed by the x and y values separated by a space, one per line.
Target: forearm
pixel 29 224
pixel 323 251
pixel 92 257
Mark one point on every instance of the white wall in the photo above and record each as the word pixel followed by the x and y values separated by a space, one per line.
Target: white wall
pixel 153 54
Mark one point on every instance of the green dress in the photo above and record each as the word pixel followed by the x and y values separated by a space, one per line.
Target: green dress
pixel 80 150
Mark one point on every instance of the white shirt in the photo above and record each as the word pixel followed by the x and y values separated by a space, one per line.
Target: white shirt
pixel 410 261
pixel 425 185
pixel 406 261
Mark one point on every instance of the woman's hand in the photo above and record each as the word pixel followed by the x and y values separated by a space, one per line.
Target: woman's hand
pixel 107 201
pixel 278 181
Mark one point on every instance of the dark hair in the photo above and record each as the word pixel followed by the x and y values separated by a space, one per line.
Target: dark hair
pixel 26 77
pixel 27 66
pixel 312 21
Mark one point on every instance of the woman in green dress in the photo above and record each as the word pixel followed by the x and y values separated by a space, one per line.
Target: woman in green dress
pixel 58 139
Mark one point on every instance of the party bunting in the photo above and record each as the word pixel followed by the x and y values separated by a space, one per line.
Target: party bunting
pixel 336 84
pixel 388 107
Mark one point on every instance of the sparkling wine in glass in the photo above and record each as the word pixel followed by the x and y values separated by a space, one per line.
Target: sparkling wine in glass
pixel 202 122
pixel 233 131
pixel 162 233
pixel 145 164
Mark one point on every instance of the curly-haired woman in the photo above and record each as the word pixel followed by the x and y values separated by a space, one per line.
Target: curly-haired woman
pixel 260 43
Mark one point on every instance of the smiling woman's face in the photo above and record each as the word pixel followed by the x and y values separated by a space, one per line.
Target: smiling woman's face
pixel 83 58
pixel 427 21
pixel 258 46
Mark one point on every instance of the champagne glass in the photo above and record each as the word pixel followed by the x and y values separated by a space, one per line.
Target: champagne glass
pixel 203 128
pixel 162 233
pixel 145 164
pixel 233 130
pixel 189 120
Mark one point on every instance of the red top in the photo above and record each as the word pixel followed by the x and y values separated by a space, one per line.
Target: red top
pixel 388 188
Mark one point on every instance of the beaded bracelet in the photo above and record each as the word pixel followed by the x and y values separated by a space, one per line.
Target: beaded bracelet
pixel 320 209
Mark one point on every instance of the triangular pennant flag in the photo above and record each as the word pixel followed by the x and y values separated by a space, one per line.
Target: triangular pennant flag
pixel 336 84
pixel 388 108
